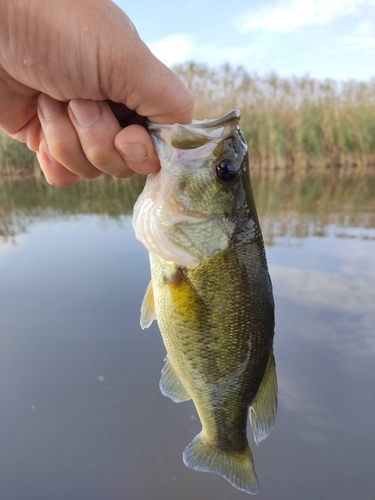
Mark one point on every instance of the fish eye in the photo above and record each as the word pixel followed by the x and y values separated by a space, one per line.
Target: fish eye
pixel 226 170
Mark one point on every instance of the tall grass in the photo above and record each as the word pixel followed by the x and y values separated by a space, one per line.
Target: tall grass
pixel 290 122
pixel 15 157
pixel 294 122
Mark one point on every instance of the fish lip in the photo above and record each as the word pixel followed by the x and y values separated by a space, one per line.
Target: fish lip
pixel 216 122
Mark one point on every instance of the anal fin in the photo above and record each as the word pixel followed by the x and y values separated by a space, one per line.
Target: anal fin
pixel 171 385
pixel 148 308
pixel 264 406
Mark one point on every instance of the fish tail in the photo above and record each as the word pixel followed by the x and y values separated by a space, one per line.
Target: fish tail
pixel 237 468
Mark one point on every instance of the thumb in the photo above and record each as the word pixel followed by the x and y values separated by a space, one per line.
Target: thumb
pixel 130 74
pixel 159 94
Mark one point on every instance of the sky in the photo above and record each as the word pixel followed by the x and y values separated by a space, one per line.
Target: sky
pixel 322 38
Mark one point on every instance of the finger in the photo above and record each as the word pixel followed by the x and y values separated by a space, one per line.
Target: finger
pixel 55 173
pixel 150 88
pixel 30 134
pixel 135 145
pixel 158 93
pixel 97 127
pixel 63 142
pixel 17 107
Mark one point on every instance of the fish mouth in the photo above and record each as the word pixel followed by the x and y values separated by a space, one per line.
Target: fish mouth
pixel 165 219
pixel 196 134
pixel 216 122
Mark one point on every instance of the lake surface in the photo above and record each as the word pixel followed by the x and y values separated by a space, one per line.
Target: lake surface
pixel 81 414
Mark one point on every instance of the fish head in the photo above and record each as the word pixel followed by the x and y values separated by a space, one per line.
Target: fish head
pixel 197 203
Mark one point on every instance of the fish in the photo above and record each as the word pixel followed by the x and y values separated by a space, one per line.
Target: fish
pixel 210 291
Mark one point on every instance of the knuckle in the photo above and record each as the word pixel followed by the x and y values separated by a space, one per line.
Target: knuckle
pixel 98 156
pixel 107 161
pixel 58 149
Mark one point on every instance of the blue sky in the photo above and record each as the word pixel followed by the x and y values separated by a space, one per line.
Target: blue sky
pixel 322 38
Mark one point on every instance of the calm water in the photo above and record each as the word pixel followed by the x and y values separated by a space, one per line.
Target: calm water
pixel 81 414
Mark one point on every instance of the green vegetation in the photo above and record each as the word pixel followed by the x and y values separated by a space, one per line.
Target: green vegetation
pixel 27 200
pixel 312 204
pixel 290 122
pixel 15 157
pixel 288 204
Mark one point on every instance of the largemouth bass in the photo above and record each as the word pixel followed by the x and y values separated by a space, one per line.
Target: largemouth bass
pixel 210 291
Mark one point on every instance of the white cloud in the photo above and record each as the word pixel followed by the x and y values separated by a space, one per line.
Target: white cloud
pixel 337 50
pixel 300 13
pixel 179 48
pixel 363 37
pixel 328 291
pixel 6 246
pixel 346 293
pixel 9 246
pixel 172 49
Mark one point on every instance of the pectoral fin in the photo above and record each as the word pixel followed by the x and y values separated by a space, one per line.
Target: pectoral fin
pixel 263 408
pixel 171 385
pixel 148 308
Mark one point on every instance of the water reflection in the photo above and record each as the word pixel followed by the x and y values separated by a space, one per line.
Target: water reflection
pixel 24 201
pixel 326 351
pixel 81 414
pixel 317 204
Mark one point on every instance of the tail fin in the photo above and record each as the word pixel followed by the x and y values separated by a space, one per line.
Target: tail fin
pixel 237 468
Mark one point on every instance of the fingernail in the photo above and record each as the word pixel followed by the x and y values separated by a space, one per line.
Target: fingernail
pixel 50 107
pixel 133 152
pixel 85 111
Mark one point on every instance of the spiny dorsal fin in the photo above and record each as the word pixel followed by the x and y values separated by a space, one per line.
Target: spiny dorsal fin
pixel 171 385
pixel 148 308
pixel 263 408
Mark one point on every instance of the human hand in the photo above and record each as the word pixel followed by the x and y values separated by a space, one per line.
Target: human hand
pixel 69 73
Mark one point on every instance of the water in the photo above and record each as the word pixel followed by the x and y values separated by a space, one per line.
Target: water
pixel 81 414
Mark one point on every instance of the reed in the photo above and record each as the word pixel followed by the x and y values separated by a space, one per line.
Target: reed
pixel 294 122
pixel 15 157
pixel 289 123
